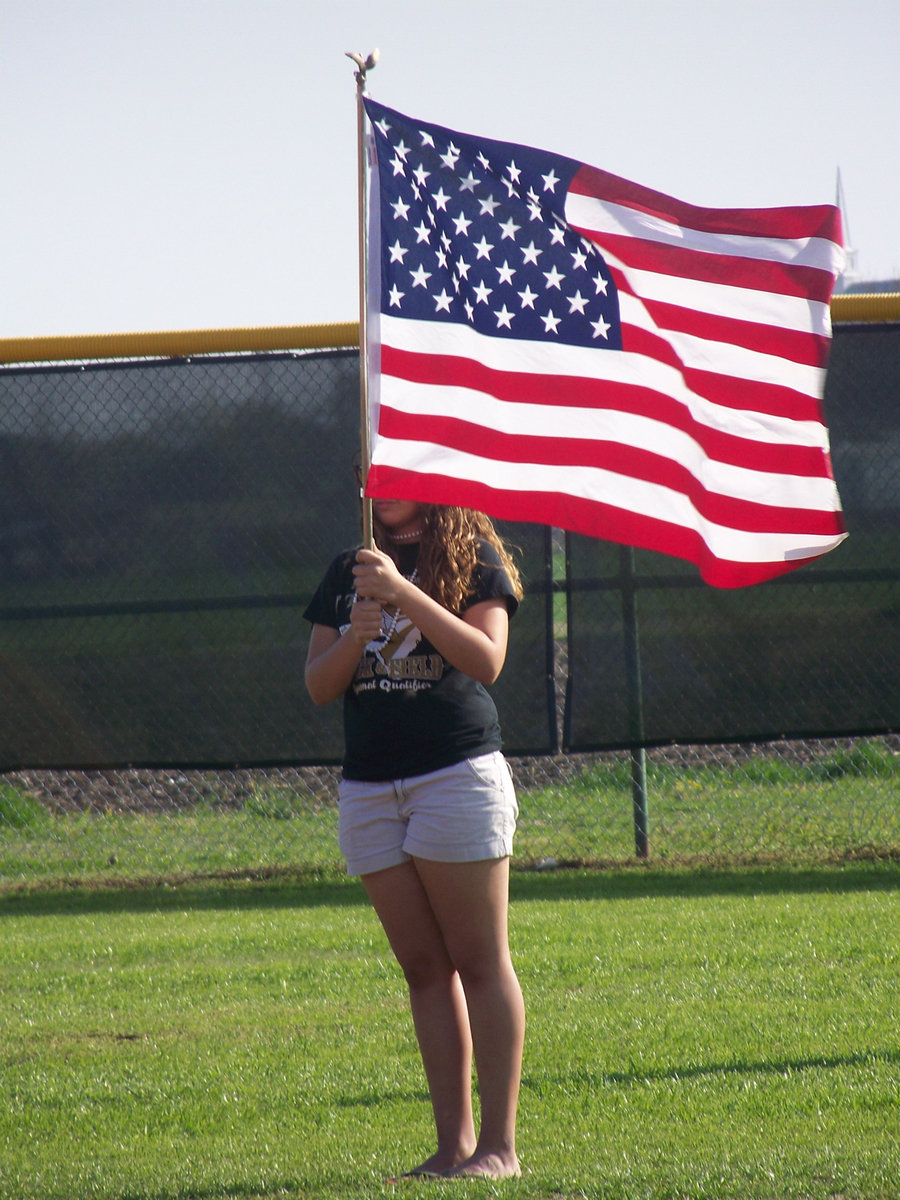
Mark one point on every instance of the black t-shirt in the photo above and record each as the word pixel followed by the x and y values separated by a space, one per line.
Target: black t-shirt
pixel 408 711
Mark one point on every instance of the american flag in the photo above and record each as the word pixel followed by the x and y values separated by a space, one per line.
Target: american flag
pixel 551 343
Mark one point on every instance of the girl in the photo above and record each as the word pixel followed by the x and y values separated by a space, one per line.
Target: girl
pixel 410 634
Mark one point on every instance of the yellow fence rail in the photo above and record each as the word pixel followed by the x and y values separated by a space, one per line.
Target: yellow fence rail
pixel 872 307
pixel 182 343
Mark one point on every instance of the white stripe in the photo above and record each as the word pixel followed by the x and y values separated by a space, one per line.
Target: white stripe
pixel 737 303
pixel 604 487
pixel 524 358
pixel 601 217
pixel 722 358
pixel 589 425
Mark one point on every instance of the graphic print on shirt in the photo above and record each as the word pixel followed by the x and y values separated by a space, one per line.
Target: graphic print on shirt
pixel 398 637
pixel 389 664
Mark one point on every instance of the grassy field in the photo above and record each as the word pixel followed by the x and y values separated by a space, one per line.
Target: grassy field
pixel 844 802
pixel 727 1034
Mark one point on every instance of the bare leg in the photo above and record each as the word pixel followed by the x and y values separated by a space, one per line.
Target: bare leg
pixel 470 902
pixel 438 1008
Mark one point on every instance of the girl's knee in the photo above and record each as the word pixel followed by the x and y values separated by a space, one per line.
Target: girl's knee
pixel 478 969
pixel 422 969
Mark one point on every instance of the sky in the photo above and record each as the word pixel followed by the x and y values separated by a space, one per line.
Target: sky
pixel 191 164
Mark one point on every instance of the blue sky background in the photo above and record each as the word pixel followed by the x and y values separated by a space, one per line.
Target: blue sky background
pixel 175 164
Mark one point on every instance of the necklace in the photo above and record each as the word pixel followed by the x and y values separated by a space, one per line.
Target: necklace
pixel 389 630
pixel 412 536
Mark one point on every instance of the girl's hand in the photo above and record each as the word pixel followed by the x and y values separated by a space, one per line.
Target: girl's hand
pixel 474 643
pixel 365 620
pixel 377 578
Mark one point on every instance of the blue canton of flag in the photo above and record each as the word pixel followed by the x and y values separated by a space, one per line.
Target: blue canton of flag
pixel 473 232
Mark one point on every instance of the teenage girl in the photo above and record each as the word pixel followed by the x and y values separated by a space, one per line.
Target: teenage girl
pixel 410 635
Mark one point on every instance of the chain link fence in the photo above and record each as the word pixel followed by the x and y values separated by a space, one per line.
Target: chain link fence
pixel 163 523
pixel 819 798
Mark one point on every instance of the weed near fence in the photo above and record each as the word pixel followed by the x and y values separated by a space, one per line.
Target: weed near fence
pixel 723 804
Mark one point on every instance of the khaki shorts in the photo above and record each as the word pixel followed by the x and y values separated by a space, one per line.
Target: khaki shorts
pixel 463 813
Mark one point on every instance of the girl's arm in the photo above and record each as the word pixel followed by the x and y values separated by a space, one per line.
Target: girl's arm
pixel 332 656
pixel 474 643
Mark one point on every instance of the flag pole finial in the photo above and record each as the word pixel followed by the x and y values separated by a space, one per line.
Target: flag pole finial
pixel 363 65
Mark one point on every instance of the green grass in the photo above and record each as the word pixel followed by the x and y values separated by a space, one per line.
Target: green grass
pixel 844 801
pixel 692 1034
pixel 20 811
pixel 838 804
pixel 114 846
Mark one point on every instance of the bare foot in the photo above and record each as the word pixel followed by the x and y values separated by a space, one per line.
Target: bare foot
pixel 488 1166
pixel 438 1166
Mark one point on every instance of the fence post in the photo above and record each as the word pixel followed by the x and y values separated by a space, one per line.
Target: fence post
pixel 635 703
pixel 550 637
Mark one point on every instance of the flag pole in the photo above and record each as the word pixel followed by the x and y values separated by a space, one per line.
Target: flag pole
pixel 363 66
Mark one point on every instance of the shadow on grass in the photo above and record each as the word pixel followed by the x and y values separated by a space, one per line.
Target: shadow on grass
pixel 640 882
pixel 284 889
pixel 231 892
pixel 782 1066
pixel 589 1080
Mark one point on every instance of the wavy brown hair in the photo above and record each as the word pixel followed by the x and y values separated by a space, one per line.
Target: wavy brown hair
pixel 448 552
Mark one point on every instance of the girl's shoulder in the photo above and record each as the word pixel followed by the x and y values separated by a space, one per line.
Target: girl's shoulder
pixel 343 562
pixel 329 604
pixel 488 554
pixel 339 571
pixel 490 579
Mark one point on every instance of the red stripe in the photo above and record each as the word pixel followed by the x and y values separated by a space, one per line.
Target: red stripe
pixel 579 516
pixel 757 275
pixel 797 222
pixel 807 349
pixel 550 391
pixel 803 347
pixel 747 395
pixel 616 457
